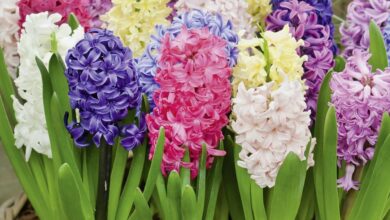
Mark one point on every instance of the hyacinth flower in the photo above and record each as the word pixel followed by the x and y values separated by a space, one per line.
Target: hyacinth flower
pixel 147 64
pixel 259 10
pixel 304 24
pixel 103 88
pixel 86 11
pixel 355 30
pixel 236 11
pixel 9 16
pixel 193 99
pixel 360 98
pixel 134 21
pixel 386 37
pixel 267 124
pixel 35 41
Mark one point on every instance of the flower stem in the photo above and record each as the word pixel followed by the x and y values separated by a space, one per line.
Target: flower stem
pixel 103 181
pixel 351 195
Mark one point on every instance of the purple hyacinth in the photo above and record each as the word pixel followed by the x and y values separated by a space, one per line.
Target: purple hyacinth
pixel 303 21
pixel 147 64
pixel 97 8
pixel 324 11
pixel 355 30
pixel 173 14
pixel 386 37
pixel 360 99
pixel 103 88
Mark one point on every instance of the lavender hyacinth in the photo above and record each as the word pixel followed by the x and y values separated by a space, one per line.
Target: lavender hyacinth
pixel 360 99
pixel 103 88
pixel 304 24
pixel 355 30
pixel 147 64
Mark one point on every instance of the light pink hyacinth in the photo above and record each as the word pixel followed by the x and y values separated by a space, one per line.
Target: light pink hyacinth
pixel 193 99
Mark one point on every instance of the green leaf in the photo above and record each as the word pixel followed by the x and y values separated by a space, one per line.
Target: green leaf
pixel 257 202
pixel 201 182
pixel 244 181
pixel 185 174
pixel 188 204
pixel 230 181
pixel 331 199
pixel 155 166
pixel 288 188
pixel 162 198
pixel 133 179
pixel 59 82
pixel 378 58
pixel 318 170
pixel 174 194
pixel 214 180
pixel 117 174
pixel 6 89
pixel 142 208
pixel 375 187
pixel 73 203
pixel 307 206
pixel 73 21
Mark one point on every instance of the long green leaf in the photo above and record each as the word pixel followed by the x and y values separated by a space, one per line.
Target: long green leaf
pixel 185 174
pixel 133 179
pixel 72 201
pixel 288 188
pixel 244 181
pixel 374 194
pixel 378 58
pixel 230 181
pixel 307 206
pixel 174 195
pixel 155 166
pixel 162 196
pixel 214 180
pixel 318 170
pixel 258 208
pixel 59 82
pixel 188 204
pixel 201 182
pixel 142 208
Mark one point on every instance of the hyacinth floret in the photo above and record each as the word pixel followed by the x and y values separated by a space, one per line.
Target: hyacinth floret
pixel 194 19
pixel 360 98
pixel 194 98
pixel 103 89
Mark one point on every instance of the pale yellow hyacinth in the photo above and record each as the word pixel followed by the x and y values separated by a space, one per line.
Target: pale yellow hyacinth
pixel 283 55
pixel 250 68
pixel 259 9
pixel 134 21
pixel 283 60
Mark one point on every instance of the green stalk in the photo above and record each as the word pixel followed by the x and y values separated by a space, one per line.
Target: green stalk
pixel 103 181
pixel 351 195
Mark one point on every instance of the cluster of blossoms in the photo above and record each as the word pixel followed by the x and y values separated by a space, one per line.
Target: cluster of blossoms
pixel 147 64
pixel 193 100
pixel 354 31
pixel 267 123
pixel 283 59
pixel 35 41
pixel 236 11
pixel 360 99
pixel 259 10
pixel 304 24
pixel 87 11
pixel 103 88
pixel 134 21
pixel 9 16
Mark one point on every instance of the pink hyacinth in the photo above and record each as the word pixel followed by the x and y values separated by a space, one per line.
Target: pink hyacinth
pixel 193 99
pixel 86 11
pixel 360 98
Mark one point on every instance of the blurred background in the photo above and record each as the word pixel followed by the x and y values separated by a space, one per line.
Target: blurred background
pixel 9 185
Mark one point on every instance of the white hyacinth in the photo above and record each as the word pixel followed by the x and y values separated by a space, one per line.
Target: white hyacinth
pixel 234 10
pixel 9 16
pixel 35 41
pixel 270 123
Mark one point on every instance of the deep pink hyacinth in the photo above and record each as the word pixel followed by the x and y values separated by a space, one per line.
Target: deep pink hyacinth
pixel 355 30
pixel 193 99
pixel 86 11
pixel 360 98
